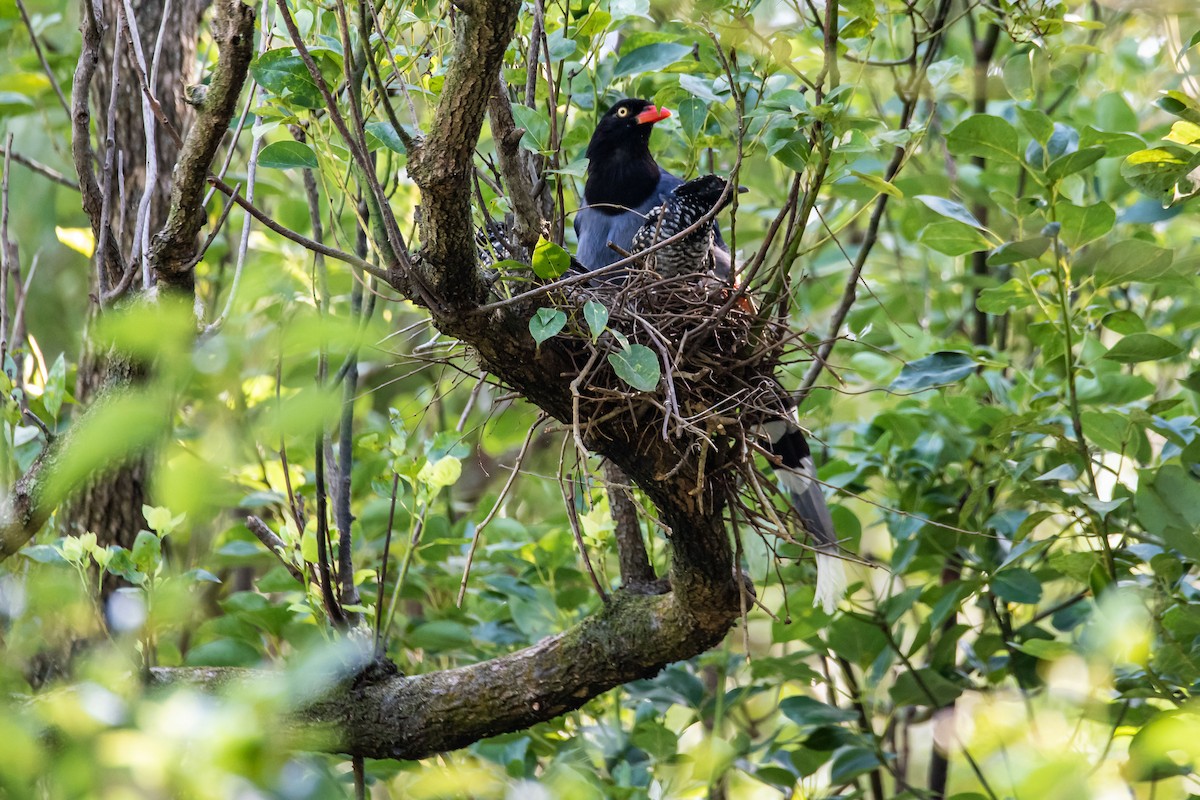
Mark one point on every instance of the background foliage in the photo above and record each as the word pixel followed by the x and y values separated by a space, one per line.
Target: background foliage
pixel 1009 423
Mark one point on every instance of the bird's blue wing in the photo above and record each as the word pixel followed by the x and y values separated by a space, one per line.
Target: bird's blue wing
pixel 595 228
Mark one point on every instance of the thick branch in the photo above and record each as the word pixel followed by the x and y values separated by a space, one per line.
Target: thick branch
pixel 516 165
pixel 411 717
pixel 174 248
pixel 26 508
pixel 636 569
pixel 443 164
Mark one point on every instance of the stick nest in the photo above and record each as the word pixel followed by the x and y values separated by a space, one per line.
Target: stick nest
pixel 717 357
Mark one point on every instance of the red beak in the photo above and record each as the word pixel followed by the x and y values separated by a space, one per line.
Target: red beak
pixel 652 115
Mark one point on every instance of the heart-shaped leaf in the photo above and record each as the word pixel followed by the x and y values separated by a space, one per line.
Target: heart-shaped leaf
pixel 547 322
pixel 637 366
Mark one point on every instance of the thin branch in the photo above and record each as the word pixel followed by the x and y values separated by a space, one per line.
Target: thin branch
pixel 37 47
pixel 298 238
pixel 174 247
pixel 276 545
pixel 42 169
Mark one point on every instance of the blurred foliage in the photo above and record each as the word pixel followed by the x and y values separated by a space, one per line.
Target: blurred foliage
pixel 1026 502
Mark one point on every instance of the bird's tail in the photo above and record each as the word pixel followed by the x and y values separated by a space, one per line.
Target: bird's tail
pixel 798 475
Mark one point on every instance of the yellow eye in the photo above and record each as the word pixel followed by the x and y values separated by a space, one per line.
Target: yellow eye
pixel 622 112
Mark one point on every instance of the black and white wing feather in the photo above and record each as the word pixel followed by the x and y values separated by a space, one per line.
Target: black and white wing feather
pixel 694 252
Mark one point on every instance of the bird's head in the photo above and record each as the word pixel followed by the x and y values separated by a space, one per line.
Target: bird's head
pixel 625 127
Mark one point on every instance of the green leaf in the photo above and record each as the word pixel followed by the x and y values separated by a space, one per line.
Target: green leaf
pixel 1133 260
pixel 1043 649
pixel 1074 162
pixel 287 155
pixel 13 104
pixel 222 653
pixel 878 184
pixel 932 370
pixel 1040 126
pixel 850 762
pixel 385 134
pixel 1123 322
pixel 693 113
pixel 700 87
pixel 549 260
pixel 985 136
pixel 951 209
pixel 1006 297
pixel 1137 347
pixel 650 58
pixel 1157 171
pixel 1081 225
pixel 953 238
pixel 441 473
pixel 546 323
pixel 1167 503
pixel 807 712
pixel 908 691
pixel 440 634
pixel 1017 586
pixel 1179 104
pixel 43 554
pixel 638 366
pixel 55 392
pixel 1014 252
pixel 794 154
pixel 536 125
pixel 1107 429
pixel 596 316
pixel 146 551
pixel 1185 133
pixel 282 73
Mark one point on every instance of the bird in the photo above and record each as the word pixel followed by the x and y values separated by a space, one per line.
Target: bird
pixel 632 202
pixel 682 208
pixel 624 183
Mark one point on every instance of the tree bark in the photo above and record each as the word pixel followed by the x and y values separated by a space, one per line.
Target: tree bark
pixel 110 504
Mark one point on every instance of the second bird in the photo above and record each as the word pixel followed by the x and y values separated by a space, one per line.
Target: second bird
pixel 624 184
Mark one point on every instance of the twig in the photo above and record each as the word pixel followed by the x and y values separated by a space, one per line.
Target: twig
pixel 568 497
pixel 383 567
pixel 512 476
pixel 5 253
pixel 42 169
pixel 276 545
pixel 110 147
pixel 298 238
pixel 37 47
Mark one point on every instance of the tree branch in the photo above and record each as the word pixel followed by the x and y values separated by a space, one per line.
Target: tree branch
pixel 174 248
pixel 443 163
pixel 636 569
pixel 411 717
pixel 518 169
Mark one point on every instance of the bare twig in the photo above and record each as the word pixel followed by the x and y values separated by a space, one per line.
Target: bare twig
pixel 275 545
pixel 37 47
pixel 491 515
pixel 42 169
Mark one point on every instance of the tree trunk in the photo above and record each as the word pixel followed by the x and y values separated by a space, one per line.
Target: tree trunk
pixel 110 505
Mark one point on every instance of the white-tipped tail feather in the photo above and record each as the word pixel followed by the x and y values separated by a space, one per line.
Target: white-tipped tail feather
pixel 798 475
pixel 831 582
